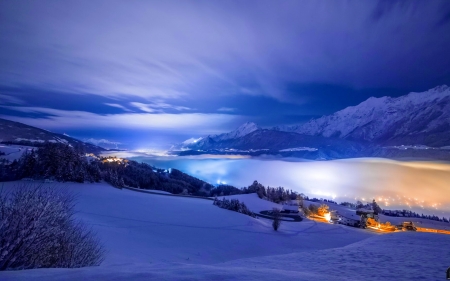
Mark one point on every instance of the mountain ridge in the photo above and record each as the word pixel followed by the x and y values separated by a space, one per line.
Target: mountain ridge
pixel 18 133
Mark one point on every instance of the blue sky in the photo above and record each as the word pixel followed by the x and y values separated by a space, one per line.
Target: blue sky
pixel 147 73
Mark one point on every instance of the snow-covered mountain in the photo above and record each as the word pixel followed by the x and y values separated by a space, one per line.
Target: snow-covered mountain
pixel 416 118
pixel 241 131
pixel 210 140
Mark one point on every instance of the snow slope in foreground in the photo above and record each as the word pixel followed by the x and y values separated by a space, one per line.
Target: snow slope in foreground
pixel 172 238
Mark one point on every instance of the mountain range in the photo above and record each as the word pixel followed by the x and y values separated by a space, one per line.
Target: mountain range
pixel 414 125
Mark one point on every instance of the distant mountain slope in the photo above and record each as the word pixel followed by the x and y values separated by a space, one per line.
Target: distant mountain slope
pixel 18 133
pixel 263 141
pixel 416 118
pixel 206 141
pixel 416 125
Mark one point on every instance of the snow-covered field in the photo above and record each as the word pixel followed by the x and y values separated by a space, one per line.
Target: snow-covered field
pixel 153 237
pixel 13 152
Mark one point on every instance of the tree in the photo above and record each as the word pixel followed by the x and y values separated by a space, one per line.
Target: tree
pixel 276 219
pixel 376 208
pixel 313 209
pixel 322 210
pixel 359 204
pixel 300 198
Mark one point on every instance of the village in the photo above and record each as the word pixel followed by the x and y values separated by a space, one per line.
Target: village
pixel 366 217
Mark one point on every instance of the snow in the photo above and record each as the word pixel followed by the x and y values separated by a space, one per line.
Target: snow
pixel 153 237
pixel 13 152
pixel 30 140
pixel 299 149
pixel 191 141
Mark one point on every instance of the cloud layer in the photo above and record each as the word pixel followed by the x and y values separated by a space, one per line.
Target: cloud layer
pixel 182 123
pixel 195 48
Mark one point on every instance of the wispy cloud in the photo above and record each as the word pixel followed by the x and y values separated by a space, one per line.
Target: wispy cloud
pixel 7 99
pixel 183 122
pixel 118 106
pixel 157 106
pixel 227 109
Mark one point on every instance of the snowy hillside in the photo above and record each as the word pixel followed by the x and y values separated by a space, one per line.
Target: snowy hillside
pixel 416 118
pixel 17 133
pixel 153 237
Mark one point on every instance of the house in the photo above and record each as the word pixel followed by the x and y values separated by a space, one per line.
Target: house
pixel 347 219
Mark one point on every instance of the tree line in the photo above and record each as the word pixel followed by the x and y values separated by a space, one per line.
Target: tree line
pixel 407 213
pixel 62 162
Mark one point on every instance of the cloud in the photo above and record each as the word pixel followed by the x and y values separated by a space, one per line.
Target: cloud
pixel 118 106
pixel 191 50
pixel 6 99
pixel 197 123
pixel 157 106
pixel 227 109
pixel 143 107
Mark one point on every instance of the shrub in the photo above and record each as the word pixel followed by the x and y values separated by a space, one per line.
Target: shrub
pixel 313 209
pixel 37 230
pixel 276 219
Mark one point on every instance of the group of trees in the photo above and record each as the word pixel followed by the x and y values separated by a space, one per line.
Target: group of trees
pixel 233 205
pixel 348 205
pixel 273 194
pixel 144 176
pixel 407 213
pixel 62 162
pixel 225 190
pixel 317 210
pixel 55 161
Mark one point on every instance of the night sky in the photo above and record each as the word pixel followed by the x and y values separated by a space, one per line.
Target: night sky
pixel 149 73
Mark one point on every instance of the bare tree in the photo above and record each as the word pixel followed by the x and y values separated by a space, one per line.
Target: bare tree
pixel 37 229
pixel 276 219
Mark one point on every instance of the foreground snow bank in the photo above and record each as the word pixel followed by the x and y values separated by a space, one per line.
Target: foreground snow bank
pixel 402 256
pixel 154 237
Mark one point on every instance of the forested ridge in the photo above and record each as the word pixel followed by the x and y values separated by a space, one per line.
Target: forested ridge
pixel 66 163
